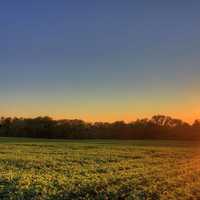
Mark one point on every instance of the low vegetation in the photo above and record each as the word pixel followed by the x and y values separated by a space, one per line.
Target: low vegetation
pixel 98 169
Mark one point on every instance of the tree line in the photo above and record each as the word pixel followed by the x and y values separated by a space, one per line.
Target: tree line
pixel 158 127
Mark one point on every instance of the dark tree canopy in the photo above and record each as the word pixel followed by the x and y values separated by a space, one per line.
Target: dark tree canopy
pixel 158 127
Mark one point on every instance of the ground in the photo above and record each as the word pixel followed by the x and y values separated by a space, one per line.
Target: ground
pixel 99 169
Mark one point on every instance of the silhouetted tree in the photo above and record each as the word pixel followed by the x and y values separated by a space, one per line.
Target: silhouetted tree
pixel 158 127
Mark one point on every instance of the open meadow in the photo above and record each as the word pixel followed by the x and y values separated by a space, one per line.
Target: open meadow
pixel 98 169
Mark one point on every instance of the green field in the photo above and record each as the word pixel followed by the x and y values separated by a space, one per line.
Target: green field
pixel 98 169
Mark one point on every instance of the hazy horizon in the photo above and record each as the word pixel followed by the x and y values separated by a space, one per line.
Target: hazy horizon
pixel 100 60
pixel 88 120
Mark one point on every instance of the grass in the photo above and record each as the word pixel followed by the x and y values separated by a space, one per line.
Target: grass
pixel 98 169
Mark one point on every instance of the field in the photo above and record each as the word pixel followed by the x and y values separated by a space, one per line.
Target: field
pixel 99 169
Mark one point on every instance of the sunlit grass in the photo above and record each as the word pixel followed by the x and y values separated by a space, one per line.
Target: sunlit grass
pixel 98 169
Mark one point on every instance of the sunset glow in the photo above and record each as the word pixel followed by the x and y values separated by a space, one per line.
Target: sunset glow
pixel 84 64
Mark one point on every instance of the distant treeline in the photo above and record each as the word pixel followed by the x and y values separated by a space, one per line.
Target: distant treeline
pixel 158 127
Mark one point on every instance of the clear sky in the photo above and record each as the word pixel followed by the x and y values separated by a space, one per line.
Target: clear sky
pixel 100 60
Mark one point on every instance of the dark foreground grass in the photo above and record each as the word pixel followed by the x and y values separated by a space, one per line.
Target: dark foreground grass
pixel 98 169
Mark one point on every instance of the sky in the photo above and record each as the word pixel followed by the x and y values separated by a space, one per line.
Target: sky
pixel 100 60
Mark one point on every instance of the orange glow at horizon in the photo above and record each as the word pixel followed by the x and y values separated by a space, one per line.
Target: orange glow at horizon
pixel 112 118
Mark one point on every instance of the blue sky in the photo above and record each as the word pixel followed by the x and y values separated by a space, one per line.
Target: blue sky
pixel 99 60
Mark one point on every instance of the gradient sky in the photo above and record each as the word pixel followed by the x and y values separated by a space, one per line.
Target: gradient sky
pixel 100 60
